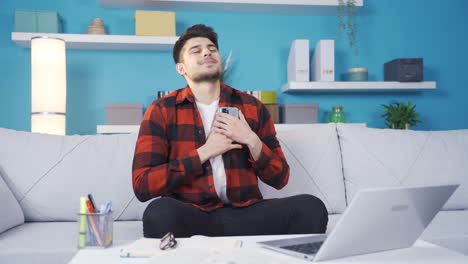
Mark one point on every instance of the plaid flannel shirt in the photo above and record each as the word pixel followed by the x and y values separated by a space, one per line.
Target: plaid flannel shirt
pixel 166 161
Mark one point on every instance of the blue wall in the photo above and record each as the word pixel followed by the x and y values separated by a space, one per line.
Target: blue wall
pixel 432 29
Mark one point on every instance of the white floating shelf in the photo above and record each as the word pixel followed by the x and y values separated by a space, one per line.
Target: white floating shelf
pixel 117 129
pixel 262 6
pixel 101 42
pixel 357 86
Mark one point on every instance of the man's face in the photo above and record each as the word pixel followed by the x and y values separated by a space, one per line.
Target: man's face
pixel 200 60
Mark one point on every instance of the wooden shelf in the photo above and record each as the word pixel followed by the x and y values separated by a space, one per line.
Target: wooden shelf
pixel 117 129
pixel 262 6
pixel 293 87
pixel 101 42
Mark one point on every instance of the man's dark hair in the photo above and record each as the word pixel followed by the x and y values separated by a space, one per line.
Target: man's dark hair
pixel 198 30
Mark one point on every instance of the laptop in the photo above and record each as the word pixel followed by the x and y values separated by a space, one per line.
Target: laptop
pixel 376 220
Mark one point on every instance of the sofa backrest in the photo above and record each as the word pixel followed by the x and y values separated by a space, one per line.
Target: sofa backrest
pixel 314 158
pixel 387 157
pixel 47 173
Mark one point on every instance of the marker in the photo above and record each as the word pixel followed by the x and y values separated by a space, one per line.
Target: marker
pixel 83 223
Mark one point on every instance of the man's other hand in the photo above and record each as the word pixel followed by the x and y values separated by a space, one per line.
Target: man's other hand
pixel 216 144
pixel 239 131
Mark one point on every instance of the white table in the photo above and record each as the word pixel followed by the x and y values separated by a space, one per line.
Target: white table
pixel 421 252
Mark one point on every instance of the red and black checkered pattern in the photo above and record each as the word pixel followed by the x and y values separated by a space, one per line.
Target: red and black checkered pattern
pixel 166 162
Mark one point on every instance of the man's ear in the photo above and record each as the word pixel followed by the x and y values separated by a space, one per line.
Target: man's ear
pixel 180 67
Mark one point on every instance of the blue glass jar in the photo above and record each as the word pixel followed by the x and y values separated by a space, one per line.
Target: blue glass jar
pixel 357 74
pixel 337 115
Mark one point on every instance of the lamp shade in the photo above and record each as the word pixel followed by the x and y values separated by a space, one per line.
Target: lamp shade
pixel 48 85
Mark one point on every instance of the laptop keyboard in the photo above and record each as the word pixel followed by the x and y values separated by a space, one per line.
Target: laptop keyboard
pixel 306 248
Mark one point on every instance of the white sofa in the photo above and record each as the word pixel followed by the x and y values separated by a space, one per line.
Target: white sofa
pixel 43 176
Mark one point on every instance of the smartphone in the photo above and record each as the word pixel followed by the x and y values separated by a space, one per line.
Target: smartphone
pixel 229 110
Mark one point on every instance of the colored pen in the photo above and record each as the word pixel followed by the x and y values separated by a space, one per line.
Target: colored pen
pixel 94 223
pixel 90 197
pixel 108 207
pixel 90 206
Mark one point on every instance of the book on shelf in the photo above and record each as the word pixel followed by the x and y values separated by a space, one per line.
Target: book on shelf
pixel 299 61
pixel 323 61
pixel 161 93
pixel 269 99
pixel 265 96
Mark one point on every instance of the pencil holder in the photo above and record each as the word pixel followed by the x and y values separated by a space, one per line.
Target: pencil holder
pixel 95 230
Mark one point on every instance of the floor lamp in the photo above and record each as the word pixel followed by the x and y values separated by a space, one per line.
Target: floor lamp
pixel 48 85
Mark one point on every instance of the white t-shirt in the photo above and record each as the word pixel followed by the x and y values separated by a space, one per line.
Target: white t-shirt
pixel 207 113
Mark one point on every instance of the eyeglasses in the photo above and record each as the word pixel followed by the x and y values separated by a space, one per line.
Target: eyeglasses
pixel 168 241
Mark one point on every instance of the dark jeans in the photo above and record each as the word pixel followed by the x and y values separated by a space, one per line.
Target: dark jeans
pixel 300 214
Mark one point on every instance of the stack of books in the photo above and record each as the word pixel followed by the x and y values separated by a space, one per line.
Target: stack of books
pixel 268 98
pixel 160 94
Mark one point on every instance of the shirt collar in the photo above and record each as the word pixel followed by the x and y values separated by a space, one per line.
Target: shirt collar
pixel 185 94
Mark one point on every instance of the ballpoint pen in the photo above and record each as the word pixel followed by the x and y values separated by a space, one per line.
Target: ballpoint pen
pixel 94 223
pixel 108 207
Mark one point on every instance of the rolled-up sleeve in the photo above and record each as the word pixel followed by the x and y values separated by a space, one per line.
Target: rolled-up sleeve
pixel 271 167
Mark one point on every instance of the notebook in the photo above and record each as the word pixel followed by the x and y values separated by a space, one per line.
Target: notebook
pixel 149 247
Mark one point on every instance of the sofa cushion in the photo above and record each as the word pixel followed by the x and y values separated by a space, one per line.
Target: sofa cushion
pixel 386 157
pixel 12 215
pixel 49 173
pixel 314 159
pixel 54 242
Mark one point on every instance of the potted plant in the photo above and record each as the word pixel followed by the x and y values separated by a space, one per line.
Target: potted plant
pixel 347 21
pixel 347 13
pixel 399 115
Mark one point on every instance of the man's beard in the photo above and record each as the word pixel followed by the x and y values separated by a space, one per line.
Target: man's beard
pixel 208 77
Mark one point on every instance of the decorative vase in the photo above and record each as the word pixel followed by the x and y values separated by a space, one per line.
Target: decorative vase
pixel 97 27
